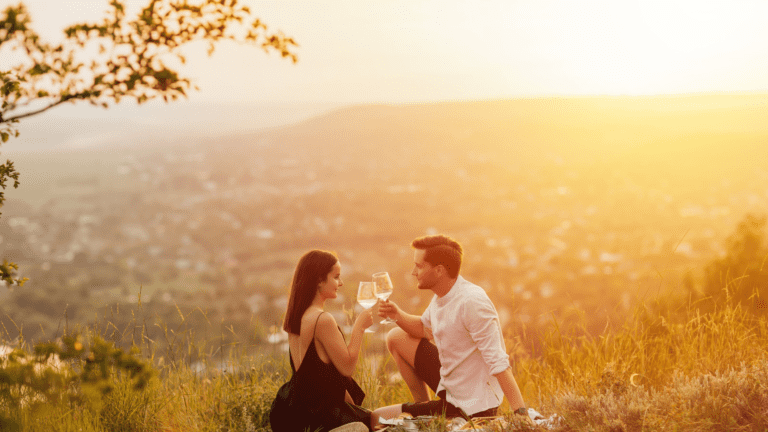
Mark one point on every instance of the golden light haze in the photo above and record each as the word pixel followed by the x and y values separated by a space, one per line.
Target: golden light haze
pixel 419 51
pixel 601 162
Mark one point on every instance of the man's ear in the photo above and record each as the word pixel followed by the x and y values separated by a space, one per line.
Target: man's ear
pixel 441 270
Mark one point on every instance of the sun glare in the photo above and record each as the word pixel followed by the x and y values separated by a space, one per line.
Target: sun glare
pixel 626 47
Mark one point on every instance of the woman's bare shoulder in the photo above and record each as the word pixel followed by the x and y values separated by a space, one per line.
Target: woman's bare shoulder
pixel 326 321
pixel 309 319
pixel 327 331
pixel 314 320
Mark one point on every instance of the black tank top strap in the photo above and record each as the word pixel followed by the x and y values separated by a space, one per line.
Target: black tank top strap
pixel 316 321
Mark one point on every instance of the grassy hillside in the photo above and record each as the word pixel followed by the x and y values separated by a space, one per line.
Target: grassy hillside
pixel 686 371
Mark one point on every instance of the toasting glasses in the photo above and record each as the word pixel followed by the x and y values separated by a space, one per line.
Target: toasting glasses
pixel 366 296
pixel 384 289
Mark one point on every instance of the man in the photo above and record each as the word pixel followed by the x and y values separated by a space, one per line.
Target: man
pixel 467 366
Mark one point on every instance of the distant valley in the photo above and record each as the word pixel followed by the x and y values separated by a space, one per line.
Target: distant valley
pixel 562 204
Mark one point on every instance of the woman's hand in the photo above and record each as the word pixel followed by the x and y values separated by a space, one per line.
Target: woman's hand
pixel 364 320
pixel 388 309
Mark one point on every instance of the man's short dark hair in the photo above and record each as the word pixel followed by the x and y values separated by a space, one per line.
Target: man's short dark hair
pixel 441 250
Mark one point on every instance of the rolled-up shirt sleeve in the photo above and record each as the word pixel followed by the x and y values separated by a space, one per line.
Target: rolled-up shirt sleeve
pixel 482 322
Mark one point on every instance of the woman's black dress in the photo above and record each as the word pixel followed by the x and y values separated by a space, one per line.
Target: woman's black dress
pixel 317 396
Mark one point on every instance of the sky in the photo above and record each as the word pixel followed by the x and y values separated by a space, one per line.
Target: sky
pixel 423 50
pixel 412 51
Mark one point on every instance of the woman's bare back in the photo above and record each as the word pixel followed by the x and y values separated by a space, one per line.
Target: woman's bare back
pixel 298 344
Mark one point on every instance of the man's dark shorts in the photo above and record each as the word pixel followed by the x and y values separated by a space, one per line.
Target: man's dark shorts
pixel 427 365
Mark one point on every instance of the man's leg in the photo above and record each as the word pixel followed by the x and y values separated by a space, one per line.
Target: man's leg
pixel 403 347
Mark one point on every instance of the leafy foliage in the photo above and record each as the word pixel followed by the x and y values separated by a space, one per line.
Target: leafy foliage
pixel 8 274
pixel 133 55
pixel 10 86
pixel 66 372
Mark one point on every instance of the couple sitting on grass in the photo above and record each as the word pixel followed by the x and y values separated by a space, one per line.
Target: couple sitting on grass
pixel 467 366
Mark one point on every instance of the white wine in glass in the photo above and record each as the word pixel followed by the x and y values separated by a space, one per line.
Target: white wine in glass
pixel 384 289
pixel 366 296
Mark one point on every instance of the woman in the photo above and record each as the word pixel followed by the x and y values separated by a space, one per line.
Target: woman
pixel 323 394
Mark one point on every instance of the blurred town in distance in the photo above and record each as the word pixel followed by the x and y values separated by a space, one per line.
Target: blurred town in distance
pixel 568 209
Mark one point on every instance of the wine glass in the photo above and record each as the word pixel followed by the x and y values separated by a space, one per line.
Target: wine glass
pixel 366 296
pixel 384 289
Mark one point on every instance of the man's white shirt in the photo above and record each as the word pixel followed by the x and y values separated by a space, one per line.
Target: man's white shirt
pixel 470 344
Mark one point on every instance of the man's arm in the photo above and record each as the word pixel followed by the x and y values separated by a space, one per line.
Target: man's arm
pixel 482 322
pixel 410 323
pixel 413 326
pixel 511 390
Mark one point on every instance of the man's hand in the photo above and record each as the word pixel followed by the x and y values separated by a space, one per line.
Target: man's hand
pixel 388 309
pixel 410 323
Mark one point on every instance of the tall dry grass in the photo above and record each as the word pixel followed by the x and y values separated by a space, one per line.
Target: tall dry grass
pixel 679 370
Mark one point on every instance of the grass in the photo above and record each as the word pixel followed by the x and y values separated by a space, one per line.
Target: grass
pixel 691 372
pixel 677 371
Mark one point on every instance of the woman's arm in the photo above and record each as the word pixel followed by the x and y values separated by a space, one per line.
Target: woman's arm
pixel 343 356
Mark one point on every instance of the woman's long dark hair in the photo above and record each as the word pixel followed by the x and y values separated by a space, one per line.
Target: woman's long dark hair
pixel 312 269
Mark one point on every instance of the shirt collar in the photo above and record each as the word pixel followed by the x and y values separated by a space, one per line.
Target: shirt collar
pixel 453 292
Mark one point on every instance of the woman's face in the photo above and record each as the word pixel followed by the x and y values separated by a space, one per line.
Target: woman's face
pixel 330 286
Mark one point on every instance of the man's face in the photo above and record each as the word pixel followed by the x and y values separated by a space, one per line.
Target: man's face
pixel 425 273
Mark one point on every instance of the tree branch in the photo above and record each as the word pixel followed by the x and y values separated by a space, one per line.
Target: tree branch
pixel 31 113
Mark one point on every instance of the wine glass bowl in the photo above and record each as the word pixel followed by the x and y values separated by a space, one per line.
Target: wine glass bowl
pixel 366 297
pixel 383 288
